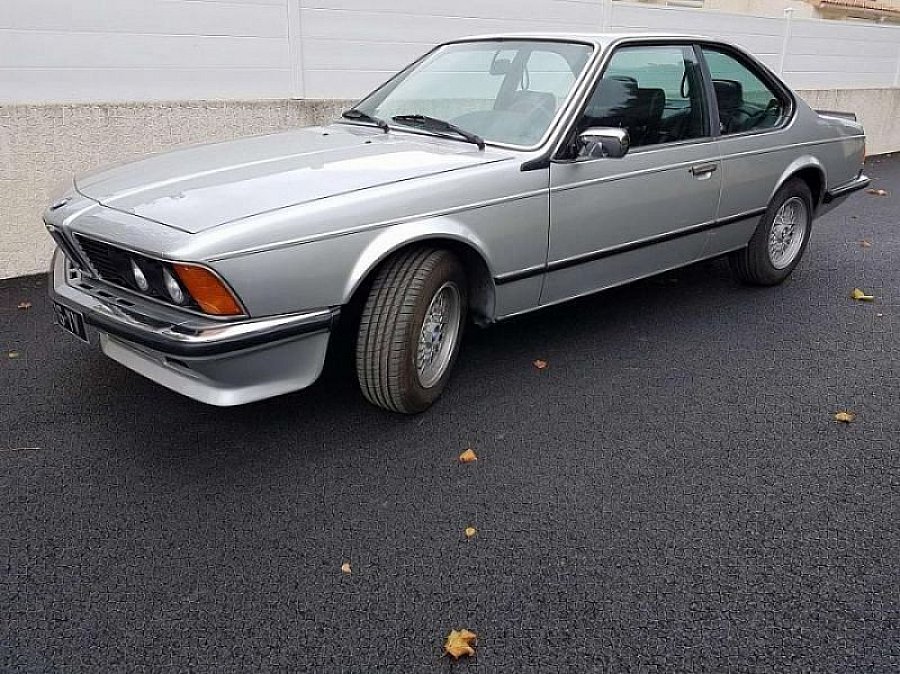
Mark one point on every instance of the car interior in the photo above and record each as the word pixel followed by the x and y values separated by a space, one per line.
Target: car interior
pixel 736 115
pixel 522 112
pixel 522 115
pixel 650 114
pixel 646 113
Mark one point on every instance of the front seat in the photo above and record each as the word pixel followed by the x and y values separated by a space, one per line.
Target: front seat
pixel 647 116
pixel 613 99
pixel 730 101
pixel 532 110
pixel 540 104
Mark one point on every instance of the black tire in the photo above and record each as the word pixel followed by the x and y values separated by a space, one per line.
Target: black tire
pixel 392 321
pixel 753 265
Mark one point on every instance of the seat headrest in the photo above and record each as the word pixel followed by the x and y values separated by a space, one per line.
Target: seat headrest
pixel 650 105
pixel 729 93
pixel 613 95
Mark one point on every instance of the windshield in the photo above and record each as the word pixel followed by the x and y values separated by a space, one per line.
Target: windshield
pixel 504 91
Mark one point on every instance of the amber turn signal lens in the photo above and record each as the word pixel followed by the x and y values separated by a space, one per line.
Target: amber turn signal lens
pixel 208 291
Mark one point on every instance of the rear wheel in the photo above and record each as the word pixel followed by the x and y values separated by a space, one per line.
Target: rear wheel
pixel 411 328
pixel 780 239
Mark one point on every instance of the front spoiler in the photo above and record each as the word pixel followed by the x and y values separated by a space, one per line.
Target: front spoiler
pixel 222 363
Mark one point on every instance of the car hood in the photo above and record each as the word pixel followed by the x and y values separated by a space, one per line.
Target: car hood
pixel 202 187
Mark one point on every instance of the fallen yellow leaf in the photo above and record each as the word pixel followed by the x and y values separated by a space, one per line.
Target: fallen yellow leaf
pixel 24 305
pixel 468 456
pixel 345 568
pixel 541 364
pixel 470 532
pixel 860 296
pixel 460 643
pixel 845 417
pixel 865 244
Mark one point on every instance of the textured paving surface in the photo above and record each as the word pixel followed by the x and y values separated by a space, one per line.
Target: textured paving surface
pixel 671 495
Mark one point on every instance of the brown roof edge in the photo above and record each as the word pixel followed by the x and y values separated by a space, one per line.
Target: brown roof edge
pixel 870 5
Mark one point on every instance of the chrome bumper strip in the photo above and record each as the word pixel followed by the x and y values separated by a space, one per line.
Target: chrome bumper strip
pixel 180 336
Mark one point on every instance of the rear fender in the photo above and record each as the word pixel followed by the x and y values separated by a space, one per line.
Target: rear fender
pixel 804 162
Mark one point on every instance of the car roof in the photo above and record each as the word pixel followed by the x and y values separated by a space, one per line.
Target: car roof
pixel 594 38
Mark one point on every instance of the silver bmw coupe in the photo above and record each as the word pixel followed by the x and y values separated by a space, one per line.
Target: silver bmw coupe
pixel 494 176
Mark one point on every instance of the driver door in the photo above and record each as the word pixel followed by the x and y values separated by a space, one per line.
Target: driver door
pixel 616 220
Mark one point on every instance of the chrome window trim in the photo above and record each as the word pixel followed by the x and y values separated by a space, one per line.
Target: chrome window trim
pixel 661 42
pixel 656 147
pixel 650 149
pixel 764 73
pixel 608 52
pixel 699 43
pixel 717 158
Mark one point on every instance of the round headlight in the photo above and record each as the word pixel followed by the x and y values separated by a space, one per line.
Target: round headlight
pixel 172 287
pixel 140 279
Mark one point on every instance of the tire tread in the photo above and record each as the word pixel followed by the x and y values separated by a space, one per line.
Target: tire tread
pixel 751 265
pixel 382 357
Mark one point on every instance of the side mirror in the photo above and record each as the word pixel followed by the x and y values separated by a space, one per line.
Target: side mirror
pixel 603 141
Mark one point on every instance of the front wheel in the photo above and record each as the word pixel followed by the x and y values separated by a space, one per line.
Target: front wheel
pixel 411 329
pixel 780 239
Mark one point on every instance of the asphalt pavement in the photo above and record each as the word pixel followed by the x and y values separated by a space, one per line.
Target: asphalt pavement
pixel 671 494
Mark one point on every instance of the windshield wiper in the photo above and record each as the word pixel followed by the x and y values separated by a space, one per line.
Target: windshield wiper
pixel 360 116
pixel 434 124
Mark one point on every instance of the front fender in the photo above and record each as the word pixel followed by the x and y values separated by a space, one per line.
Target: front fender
pixel 392 239
pixel 326 273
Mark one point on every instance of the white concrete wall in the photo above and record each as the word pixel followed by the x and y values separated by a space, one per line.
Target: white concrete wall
pixel 141 50
pixel 86 82
pixel 149 50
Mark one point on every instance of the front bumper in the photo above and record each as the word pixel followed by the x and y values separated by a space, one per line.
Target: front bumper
pixel 216 362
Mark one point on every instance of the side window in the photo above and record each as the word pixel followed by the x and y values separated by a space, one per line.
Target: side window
pixel 745 101
pixel 655 92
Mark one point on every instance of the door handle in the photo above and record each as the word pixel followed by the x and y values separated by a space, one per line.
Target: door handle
pixel 703 170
